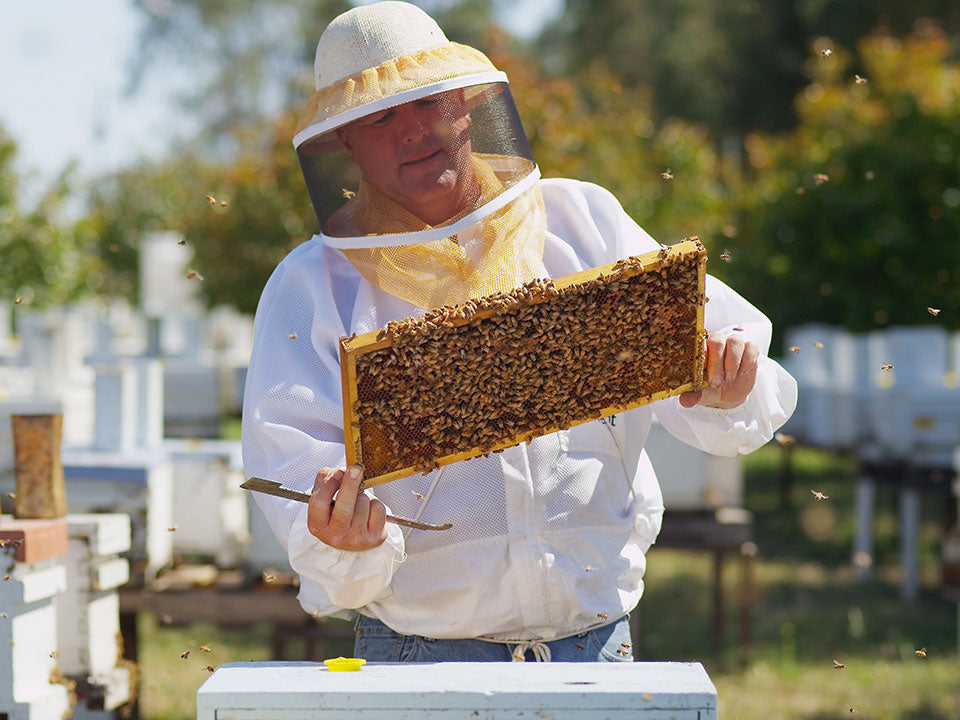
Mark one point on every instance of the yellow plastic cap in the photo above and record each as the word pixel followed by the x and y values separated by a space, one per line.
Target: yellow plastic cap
pixel 342 664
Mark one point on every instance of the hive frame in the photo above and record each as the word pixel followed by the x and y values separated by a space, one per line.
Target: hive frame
pixel 353 346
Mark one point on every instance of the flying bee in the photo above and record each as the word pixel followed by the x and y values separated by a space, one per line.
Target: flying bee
pixel 921 653
pixel 838 665
pixel 859 80
pixel 666 174
pixel 590 568
pixel 826 52
pixel 868 174
pixel 205 648
pixel 418 496
pixel 801 190
pixel 172 528
pixel 292 336
pixel 3 615
pixel 12 496
pixel 933 311
pixel 182 241
pixel 55 653
pixel 820 178
pixel 185 654
pixel 18 300
pixel 784 440
pixel 794 348
pixel 622 651
pixel 647 696
pixel 6 577
pixel 269 578
pixel 738 329
pixel 625 645
pixel 224 203
pixel 347 194
pixel 888 366
pixel 191 274
pixel 818 345
pixel 725 256
pixel 209 668
pixel 819 495
pixel 578 646
pixel 602 616
pixel 211 200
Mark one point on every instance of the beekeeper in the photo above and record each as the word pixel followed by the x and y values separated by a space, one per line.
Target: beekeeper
pixel 427 194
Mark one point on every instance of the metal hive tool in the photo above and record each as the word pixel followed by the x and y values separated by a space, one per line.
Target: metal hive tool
pixel 467 380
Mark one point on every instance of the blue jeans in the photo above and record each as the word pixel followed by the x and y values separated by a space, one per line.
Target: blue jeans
pixel 376 642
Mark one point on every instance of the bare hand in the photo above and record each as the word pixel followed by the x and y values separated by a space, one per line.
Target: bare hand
pixel 354 521
pixel 731 372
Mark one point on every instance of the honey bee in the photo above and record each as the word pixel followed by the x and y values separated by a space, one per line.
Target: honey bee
pixel 269 578
pixel 625 355
pixel 418 496
pixel 818 345
pixel 6 577
pixel 224 203
pixel 55 653
pixel 209 668
pixel 172 528
pixel 888 366
pixel 859 80
pixel 933 311
pixel 3 615
pixel 838 665
pixel 191 274
pixel 647 696
pixel 211 200
pixel 819 495
pixel 725 256
pixel 622 652
pixel 347 194
pixel 794 348
pixel 738 329
pixel 820 178
pixel 166 618
pixel 18 300
pixel 602 616
pixel 826 52
pixel 578 646
pixel 625 645
pixel 784 440
pixel 921 653
pixel 801 190
pixel 12 496
pixel 181 241
pixel 185 654
pixel 590 568
pixel 666 174
pixel 292 336
pixel 205 648
pixel 868 174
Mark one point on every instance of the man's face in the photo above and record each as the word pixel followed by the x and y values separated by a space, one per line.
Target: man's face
pixel 417 154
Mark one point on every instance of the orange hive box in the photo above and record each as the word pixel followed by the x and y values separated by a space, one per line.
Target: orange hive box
pixel 494 372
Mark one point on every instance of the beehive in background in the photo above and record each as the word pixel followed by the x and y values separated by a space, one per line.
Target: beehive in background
pixel 479 377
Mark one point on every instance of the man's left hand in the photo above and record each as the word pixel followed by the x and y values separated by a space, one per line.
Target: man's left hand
pixel 731 372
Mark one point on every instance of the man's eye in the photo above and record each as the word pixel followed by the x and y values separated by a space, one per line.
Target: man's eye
pixel 383 119
pixel 428 101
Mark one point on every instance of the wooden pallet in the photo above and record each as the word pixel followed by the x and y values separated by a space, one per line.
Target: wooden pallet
pixel 477 378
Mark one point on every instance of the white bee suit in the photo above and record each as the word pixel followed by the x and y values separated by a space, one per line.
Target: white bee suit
pixel 548 537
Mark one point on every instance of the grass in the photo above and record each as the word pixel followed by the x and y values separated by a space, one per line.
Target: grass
pixel 809 612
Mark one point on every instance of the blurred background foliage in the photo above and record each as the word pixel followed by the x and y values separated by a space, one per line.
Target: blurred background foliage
pixel 816 142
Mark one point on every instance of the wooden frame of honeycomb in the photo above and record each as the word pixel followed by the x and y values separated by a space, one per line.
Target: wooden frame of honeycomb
pixel 471 379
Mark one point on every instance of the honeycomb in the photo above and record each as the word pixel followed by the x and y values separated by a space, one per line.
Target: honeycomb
pixel 466 380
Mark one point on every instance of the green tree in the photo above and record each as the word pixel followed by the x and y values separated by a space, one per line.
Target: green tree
pixel 43 259
pixel 852 218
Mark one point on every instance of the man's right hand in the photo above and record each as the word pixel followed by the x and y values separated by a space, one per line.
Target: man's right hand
pixel 354 521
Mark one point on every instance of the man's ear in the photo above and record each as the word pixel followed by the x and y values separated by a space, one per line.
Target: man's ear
pixel 344 139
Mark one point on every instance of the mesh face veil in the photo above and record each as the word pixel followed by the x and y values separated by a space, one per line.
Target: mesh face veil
pixel 417 164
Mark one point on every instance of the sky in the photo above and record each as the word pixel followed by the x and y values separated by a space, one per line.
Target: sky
pixel 63 70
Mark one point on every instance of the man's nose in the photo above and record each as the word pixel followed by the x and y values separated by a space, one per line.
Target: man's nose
pixel 411 126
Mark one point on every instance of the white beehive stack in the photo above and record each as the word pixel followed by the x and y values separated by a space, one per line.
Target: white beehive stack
pixel 33 556
pixel 493 691
pixel 210 508
pixel 89 612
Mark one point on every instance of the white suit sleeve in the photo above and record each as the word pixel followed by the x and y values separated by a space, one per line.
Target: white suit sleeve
pixel 292 426
pixel 774 396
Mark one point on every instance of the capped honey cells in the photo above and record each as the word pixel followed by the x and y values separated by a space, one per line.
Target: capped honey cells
pixel 471 379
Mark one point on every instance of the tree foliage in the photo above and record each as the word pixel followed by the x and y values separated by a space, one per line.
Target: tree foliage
pixel 852 218
pixel 44 259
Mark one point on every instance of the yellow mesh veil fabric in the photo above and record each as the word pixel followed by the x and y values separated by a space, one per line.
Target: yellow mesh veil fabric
pixel 498 253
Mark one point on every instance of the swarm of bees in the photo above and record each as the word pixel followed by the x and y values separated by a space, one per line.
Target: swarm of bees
pixel 502 369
